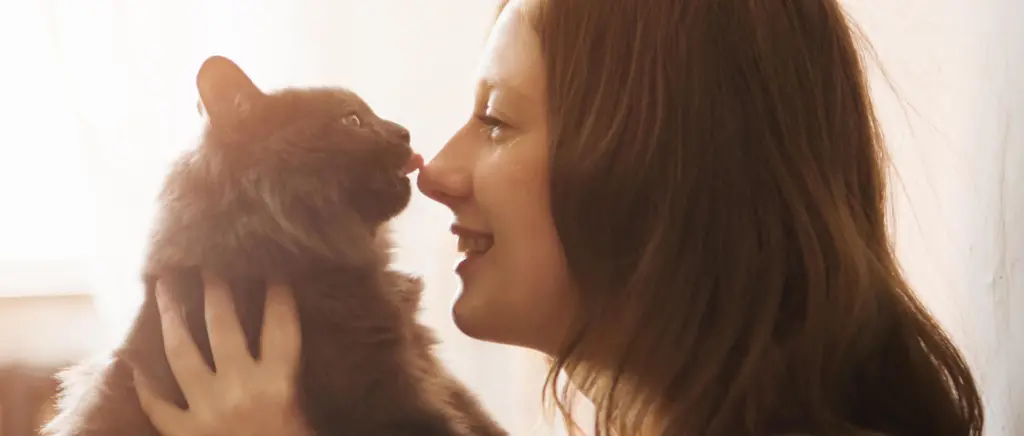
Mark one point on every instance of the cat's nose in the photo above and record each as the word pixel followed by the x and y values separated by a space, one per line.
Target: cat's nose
pixel 399 131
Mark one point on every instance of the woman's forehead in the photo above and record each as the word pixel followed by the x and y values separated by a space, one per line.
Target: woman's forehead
pixel 512 56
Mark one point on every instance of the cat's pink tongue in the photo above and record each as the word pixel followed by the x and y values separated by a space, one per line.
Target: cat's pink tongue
pixel 415 163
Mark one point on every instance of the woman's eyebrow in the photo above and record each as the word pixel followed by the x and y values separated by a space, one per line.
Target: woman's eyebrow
pixel 514 96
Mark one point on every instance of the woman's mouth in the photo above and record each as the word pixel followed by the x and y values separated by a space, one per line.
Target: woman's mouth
pixel 474 246
pixel 472 242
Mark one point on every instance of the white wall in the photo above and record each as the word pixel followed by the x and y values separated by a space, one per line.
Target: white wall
pixel 956 132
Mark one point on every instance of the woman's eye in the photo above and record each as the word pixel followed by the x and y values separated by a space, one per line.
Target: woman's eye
pixel 492 126
pixel 352 120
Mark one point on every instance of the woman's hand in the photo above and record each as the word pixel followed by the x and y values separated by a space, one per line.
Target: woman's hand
pixel 244 396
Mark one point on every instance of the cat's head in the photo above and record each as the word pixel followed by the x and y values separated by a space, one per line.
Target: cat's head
pixel 325 135
pixel 311 170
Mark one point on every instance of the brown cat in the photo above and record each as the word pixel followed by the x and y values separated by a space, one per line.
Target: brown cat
pixel 294 185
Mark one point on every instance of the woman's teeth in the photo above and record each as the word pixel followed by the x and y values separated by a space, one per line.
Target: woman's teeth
pixel 475 244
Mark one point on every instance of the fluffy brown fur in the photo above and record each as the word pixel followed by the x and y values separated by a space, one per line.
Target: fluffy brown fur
pixel 294 185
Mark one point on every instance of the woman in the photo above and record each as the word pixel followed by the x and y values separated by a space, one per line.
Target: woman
pixel 682 202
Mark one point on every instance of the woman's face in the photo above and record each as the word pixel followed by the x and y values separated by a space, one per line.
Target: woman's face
pixel 493 175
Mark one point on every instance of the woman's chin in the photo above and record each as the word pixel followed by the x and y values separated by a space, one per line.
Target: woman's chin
pixel 467 320
pixel 486 322
pixel 478 320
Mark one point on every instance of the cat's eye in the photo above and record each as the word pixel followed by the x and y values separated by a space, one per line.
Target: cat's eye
pixel 352 120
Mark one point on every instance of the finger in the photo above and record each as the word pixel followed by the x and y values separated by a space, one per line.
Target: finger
pixel 187 364
pixel 281 338
pixel 168 419
pixel 227 340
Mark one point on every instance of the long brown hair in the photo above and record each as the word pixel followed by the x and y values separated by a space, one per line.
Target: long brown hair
pixel 718 183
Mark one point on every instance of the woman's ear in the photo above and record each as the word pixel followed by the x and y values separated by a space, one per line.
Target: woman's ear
pixel 226 94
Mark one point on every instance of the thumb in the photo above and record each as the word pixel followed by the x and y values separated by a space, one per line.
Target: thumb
pixel 168 419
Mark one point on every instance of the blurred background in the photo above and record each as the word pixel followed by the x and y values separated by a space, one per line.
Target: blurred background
pixel 98 96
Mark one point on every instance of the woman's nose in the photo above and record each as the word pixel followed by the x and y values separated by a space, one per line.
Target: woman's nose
pixel 447 178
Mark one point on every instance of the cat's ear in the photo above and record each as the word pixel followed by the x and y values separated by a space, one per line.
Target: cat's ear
pixel 226 93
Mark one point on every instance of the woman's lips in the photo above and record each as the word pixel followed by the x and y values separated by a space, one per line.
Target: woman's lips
pixel 472 242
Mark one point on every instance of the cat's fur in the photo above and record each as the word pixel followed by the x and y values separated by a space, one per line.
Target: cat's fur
pixel 288 186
